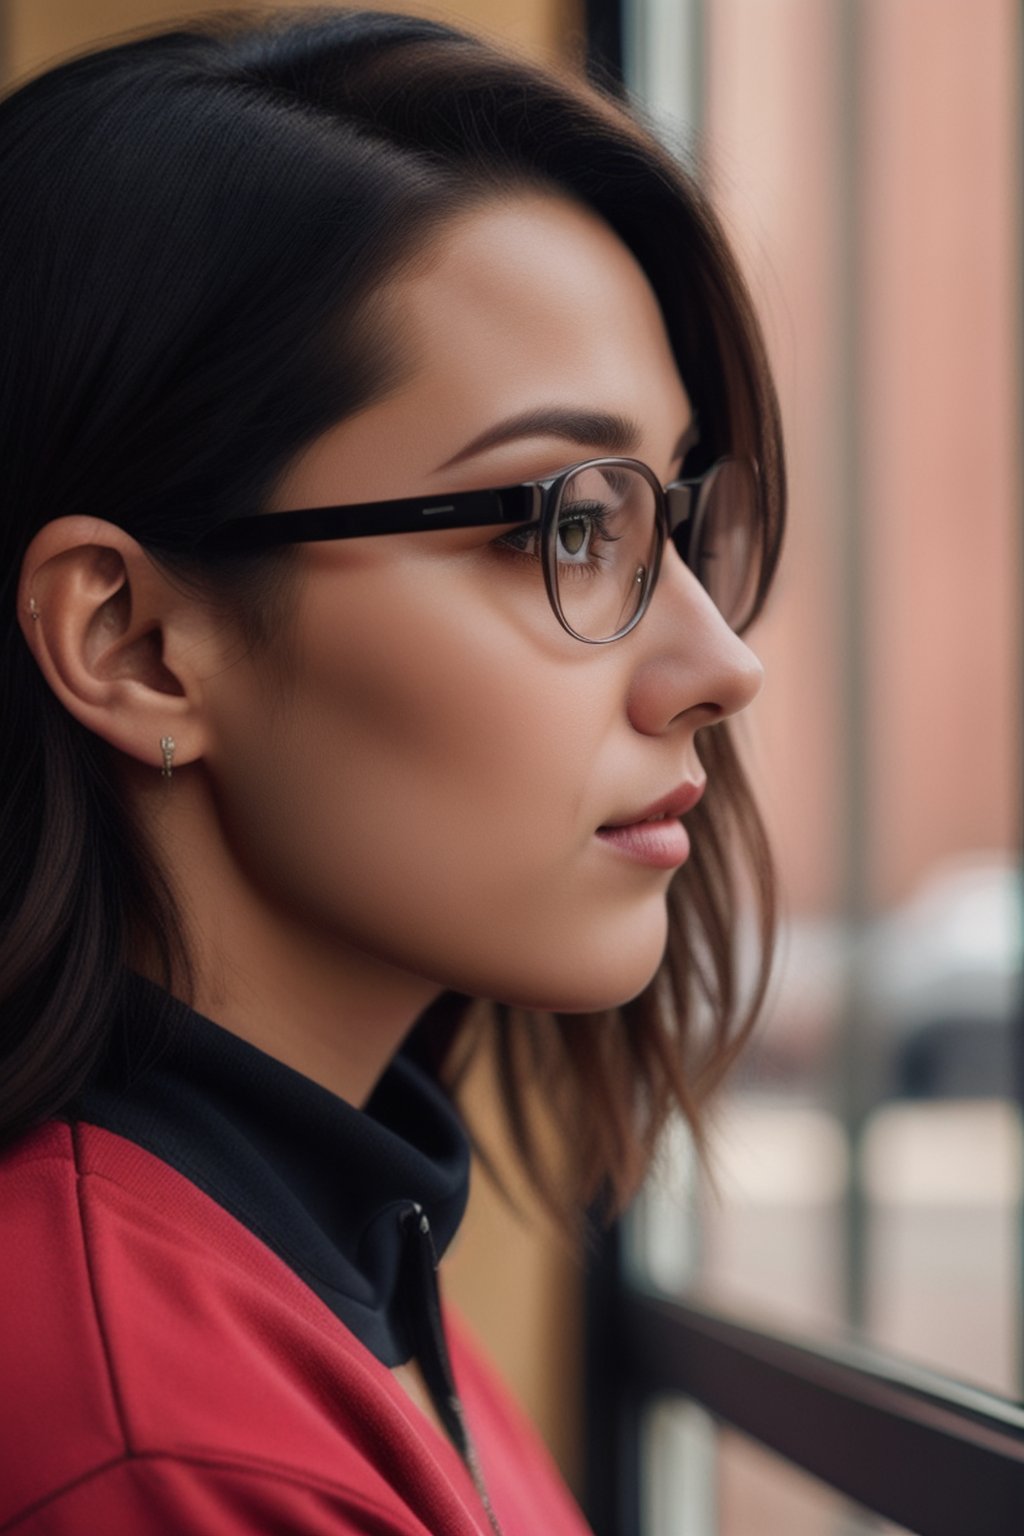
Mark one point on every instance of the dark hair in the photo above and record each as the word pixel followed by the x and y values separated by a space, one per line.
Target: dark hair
pixel 190 226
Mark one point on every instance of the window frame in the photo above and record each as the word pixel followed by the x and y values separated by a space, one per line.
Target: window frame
pixel 933 1455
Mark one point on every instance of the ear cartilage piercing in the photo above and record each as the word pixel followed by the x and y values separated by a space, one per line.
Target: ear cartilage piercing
pixel 33 611
pixel 167 748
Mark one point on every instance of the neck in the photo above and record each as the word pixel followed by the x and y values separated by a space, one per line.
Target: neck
pixel 289 986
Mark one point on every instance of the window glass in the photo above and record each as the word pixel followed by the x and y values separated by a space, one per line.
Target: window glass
pixel 868 1151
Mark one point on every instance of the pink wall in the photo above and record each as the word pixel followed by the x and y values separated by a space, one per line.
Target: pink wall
pixel 937 253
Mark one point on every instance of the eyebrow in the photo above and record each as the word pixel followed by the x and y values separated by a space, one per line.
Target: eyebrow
pixel 604 430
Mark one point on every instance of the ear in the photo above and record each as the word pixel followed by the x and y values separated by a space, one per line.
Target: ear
pixel 121 646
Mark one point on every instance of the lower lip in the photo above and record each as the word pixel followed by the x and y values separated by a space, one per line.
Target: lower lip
pixel 658 844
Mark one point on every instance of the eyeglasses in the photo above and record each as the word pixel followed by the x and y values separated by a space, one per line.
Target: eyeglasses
pixel 596 529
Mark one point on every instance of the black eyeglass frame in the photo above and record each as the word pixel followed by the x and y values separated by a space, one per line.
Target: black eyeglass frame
pixel 679 515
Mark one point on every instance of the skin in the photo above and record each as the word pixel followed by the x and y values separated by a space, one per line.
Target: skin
pixel 400 793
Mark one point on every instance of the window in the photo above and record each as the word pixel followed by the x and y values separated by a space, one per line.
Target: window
pixel 866 1226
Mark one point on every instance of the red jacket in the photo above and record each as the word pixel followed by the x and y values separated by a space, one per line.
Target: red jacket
pixel 166 1373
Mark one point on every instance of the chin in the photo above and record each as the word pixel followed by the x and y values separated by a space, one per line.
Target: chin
pixel 610 998
pixel 601 986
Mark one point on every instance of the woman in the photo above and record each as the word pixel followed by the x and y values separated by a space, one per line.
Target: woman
pixel 354 659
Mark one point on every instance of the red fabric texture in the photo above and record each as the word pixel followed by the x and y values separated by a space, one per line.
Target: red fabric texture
pixel 165 1373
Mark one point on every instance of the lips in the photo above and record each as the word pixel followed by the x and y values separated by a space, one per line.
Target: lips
pixel 676 803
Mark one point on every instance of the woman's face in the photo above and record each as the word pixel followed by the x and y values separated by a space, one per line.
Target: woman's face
pixel 427 784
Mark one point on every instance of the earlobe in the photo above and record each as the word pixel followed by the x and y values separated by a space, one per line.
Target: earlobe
pixel 97 615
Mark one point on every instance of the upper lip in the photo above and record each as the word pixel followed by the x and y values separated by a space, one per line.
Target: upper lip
pixel 676 803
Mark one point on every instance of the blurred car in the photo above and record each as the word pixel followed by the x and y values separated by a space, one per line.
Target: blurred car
pixel 943 983
pixel 940 1008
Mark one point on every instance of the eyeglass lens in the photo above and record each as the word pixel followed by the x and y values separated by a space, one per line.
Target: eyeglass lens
pixel 725 539
pixel 605 541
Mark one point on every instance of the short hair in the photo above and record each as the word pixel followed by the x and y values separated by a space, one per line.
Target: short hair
pixel 192 224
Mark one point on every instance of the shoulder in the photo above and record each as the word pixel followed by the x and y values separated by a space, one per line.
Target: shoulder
pixel 164 1370
pixel 152 1349
pixel 48 1333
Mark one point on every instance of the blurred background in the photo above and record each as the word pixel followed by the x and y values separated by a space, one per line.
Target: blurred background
pixel 866 158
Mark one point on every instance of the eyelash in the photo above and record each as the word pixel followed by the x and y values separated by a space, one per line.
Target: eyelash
pixel 599 516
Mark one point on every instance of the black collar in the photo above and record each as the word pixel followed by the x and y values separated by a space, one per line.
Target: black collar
pixel 324 1185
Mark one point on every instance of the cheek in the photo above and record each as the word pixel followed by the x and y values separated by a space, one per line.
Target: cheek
pixel 441 724
pixel 427 794
pixel 429 755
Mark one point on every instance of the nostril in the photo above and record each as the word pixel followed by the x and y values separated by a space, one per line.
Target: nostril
pixel 701 715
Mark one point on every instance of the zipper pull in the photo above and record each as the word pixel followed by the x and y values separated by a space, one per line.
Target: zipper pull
pixel 423 1303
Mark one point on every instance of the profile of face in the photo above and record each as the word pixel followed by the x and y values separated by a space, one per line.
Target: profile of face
pixel 420 769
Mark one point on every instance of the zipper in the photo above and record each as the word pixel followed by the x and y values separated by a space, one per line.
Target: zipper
pixel 431 1348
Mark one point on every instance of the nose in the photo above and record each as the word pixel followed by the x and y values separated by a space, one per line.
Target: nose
pixel 689 665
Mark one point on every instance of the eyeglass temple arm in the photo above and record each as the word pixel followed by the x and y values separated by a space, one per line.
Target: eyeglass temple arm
pixel 464 509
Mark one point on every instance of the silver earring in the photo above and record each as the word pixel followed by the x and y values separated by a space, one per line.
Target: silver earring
pixel 33 611
pixel 167 748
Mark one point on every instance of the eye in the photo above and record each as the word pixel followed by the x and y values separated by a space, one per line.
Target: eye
pixel 599 504
pixel 584 533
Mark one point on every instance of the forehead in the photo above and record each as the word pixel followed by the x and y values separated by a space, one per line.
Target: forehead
pixel 533 300
pixel 523 304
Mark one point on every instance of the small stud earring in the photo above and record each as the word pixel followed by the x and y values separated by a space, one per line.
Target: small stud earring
pixel 167 748
pixel 33 611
